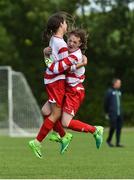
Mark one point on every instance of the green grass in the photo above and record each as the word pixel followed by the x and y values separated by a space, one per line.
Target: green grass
pixel 82 160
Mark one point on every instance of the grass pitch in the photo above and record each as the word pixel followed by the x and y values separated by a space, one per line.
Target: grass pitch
pixel 81 161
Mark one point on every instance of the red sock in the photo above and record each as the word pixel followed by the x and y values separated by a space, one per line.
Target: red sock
pixel 45 128
pixel 77 125
pixel 58 128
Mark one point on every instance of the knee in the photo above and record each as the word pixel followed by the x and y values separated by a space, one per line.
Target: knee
pixel 45 113
pixel 58 114
pixel 55 116
pixel 64 123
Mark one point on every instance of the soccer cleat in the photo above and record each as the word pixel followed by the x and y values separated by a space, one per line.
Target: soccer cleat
pixel 36 148
pixel 55 137
pixel 65 141
pixel 69 136
pixel 98 135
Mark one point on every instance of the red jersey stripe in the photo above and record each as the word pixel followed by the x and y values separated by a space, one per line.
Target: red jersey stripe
pixel 64 49
pixel 68 62
pixel 51 68
pixel 73 57
pixel 60 67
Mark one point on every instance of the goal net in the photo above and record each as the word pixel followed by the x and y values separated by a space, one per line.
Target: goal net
pixel 19 112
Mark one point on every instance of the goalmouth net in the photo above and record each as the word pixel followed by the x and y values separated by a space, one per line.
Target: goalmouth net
pixel 19 112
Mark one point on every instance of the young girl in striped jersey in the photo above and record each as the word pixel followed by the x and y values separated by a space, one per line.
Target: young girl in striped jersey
pixel 55 84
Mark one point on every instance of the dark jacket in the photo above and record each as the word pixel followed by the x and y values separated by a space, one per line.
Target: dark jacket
pixel 110 103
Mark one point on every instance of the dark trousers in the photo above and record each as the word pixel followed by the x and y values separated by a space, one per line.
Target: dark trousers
pixel 115 125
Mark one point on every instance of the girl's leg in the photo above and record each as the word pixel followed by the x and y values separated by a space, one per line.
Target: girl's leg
pixel 76 125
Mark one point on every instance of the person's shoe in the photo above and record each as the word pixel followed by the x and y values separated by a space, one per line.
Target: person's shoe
pixel 36 148
pixel 65 141
pixel 110 144
pixel 69 136
pixel 55 137
pixel 98 135
pixel 119 145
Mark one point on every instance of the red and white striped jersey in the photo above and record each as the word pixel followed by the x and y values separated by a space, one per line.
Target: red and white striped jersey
pixel 63 64
pixel 59 52
pixel 73 76
pixel 76 76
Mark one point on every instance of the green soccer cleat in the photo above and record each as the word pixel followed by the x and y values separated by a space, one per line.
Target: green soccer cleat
pixel 36 148
pixel 98 135
pixel 65 141
pixel 69 136
pixel 55 137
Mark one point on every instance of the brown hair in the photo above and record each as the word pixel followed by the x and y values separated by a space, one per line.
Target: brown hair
pixel 54 22
pixel 83 37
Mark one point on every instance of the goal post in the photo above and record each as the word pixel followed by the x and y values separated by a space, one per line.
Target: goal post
pixel 19 112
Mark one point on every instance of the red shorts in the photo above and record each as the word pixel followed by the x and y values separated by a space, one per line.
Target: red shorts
pixel 74 96
pixel 56 92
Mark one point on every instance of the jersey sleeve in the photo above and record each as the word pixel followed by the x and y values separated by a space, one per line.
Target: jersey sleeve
pixel 63 64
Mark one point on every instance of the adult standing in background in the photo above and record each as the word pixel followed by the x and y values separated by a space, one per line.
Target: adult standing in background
pixel 113 110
